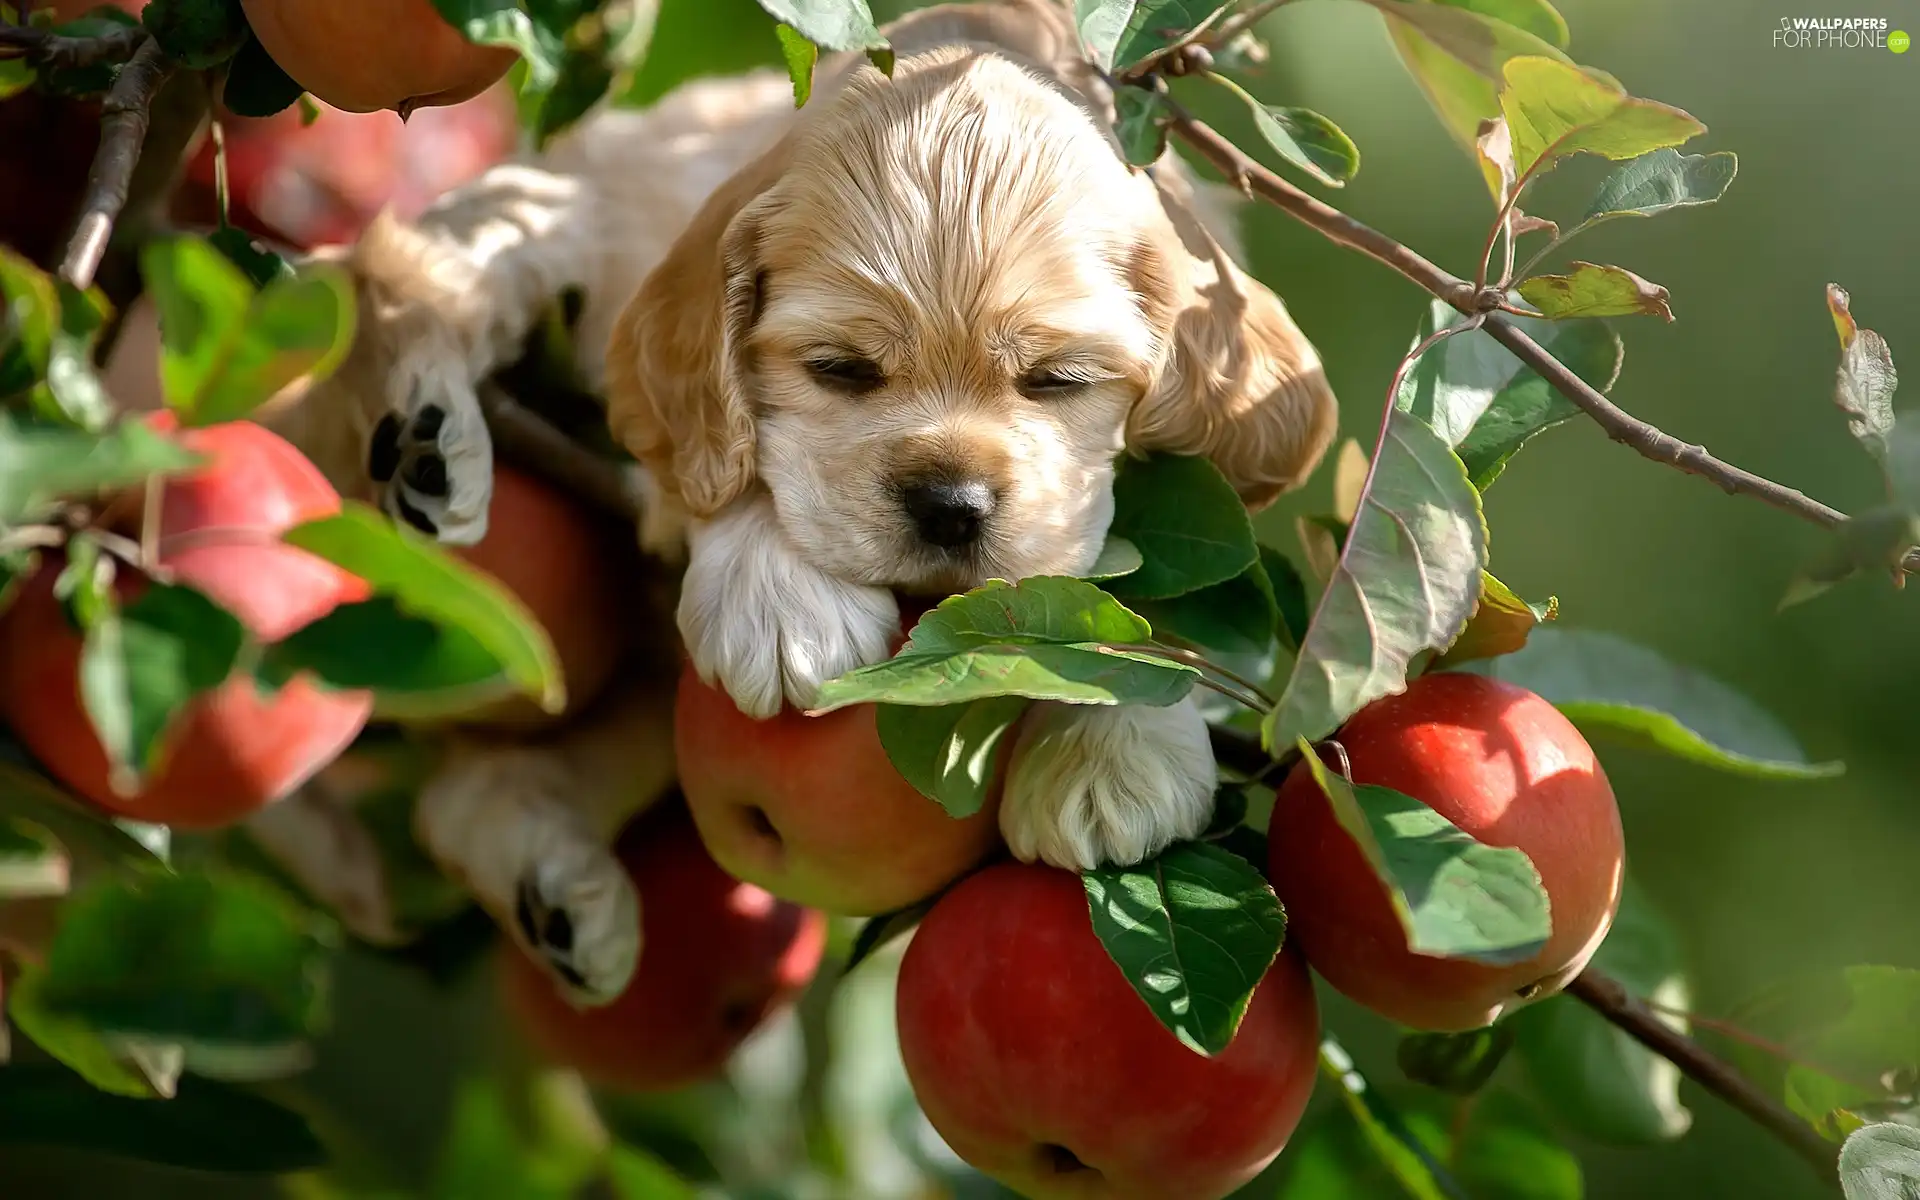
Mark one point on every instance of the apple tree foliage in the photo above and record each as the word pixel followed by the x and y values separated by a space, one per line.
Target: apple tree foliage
pixel 183 980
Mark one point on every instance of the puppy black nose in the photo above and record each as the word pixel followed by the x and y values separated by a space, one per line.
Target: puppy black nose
pixel 948 513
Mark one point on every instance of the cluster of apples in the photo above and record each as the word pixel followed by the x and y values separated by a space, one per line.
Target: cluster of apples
pixel 1027 1048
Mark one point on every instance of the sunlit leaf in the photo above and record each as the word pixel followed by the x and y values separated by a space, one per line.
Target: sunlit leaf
pixel 1501 625
pixel 1455 897
pixel 1881 1162
pixel 1190 527
pixel 1194 931
pixel 1866 381
pixel 1304 138
pixel 949 753
pixel 1592 290
pixel 1047 638
pixel 1406 582
pixel 1555 109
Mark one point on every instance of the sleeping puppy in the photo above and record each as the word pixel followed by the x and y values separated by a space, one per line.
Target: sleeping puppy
pixel 894 341
pixel 902 349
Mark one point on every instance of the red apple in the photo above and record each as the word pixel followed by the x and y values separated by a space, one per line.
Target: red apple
pixel 718 957
pixel 574 570
pixel 811 808
pixel 366 55
pixel 321 183
pixel 1038 1063
pixel 1507 768
pixel 231 750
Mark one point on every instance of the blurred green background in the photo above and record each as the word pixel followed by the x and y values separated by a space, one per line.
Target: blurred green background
pixel 1761 879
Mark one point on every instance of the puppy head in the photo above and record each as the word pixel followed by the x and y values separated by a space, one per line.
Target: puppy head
pixel 928 323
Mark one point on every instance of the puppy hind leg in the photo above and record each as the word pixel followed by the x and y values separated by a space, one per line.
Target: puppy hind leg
pixel 528 828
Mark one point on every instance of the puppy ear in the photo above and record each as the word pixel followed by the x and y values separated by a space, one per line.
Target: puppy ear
pixel 676 392
pixel 1238 383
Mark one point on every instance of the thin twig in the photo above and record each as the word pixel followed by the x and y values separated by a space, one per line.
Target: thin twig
pixel 1194 658
pixel 528 441
pixel 1649 440
pixel 123 130
pixel 44 48
pixel 1610 998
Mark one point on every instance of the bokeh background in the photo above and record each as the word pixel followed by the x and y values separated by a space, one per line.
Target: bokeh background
pixel 1761 880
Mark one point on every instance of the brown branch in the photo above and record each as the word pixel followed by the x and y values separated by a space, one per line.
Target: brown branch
pixel 1648 440
pixel 43 48
pixel 528 441
pixel 124 118
pixel 1610 998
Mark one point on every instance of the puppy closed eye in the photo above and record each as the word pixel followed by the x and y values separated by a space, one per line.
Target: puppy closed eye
pixel 846 373
pixel 1059 382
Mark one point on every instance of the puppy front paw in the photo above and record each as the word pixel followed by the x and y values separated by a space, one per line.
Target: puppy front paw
pixel 430 455
pixel 766 625
pixel 1097 785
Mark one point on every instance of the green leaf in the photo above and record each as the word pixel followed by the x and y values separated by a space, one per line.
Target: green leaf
pixel 201 300
pixel 1194 931
pixel 1592 290
pixel 1506 1152
pixel 302 326
pixel 1303 138
pixel 28 322
pixel 93 842
pixel 15 77
pixel 506 23
pixel 1536 17
pixel 829 24
pixel 224 965
pixel 1555 109
pixel 260 265
pixel 1594 1078
pixel 1865 384
pixel 1460 1063
pixel 1047 638
pixel 140 667
pixel 199 33
pixel 1118 557
pixel 226 349
pixel 1187 522
pixel 1410 1149
pixel 948 753
pixel 1873 1038
pixel 1456 56
pixel 416 667
pixel 1659 181
pixel 1407 581
pixel 1877 538
pixel 425 580
pixel 1289 595
pixel 1156 24
pixel 1881 1162
pixel 1102 23
pixel 800 56
pixel 207 1126
pixel 1238 616
pixel 79 1046
pixel 1501 625
pixel 256 85
pixel 1483 401
pixel 1615 689
pixel 1455 897
pixel 1140 122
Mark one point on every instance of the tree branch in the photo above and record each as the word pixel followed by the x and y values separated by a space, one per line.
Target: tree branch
pixel 1611 999
pixel 123 130
pixel 528 441
pixel 1648 440
pixel 43 48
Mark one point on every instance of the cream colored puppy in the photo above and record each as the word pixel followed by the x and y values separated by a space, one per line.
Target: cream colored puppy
pixel 893 341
